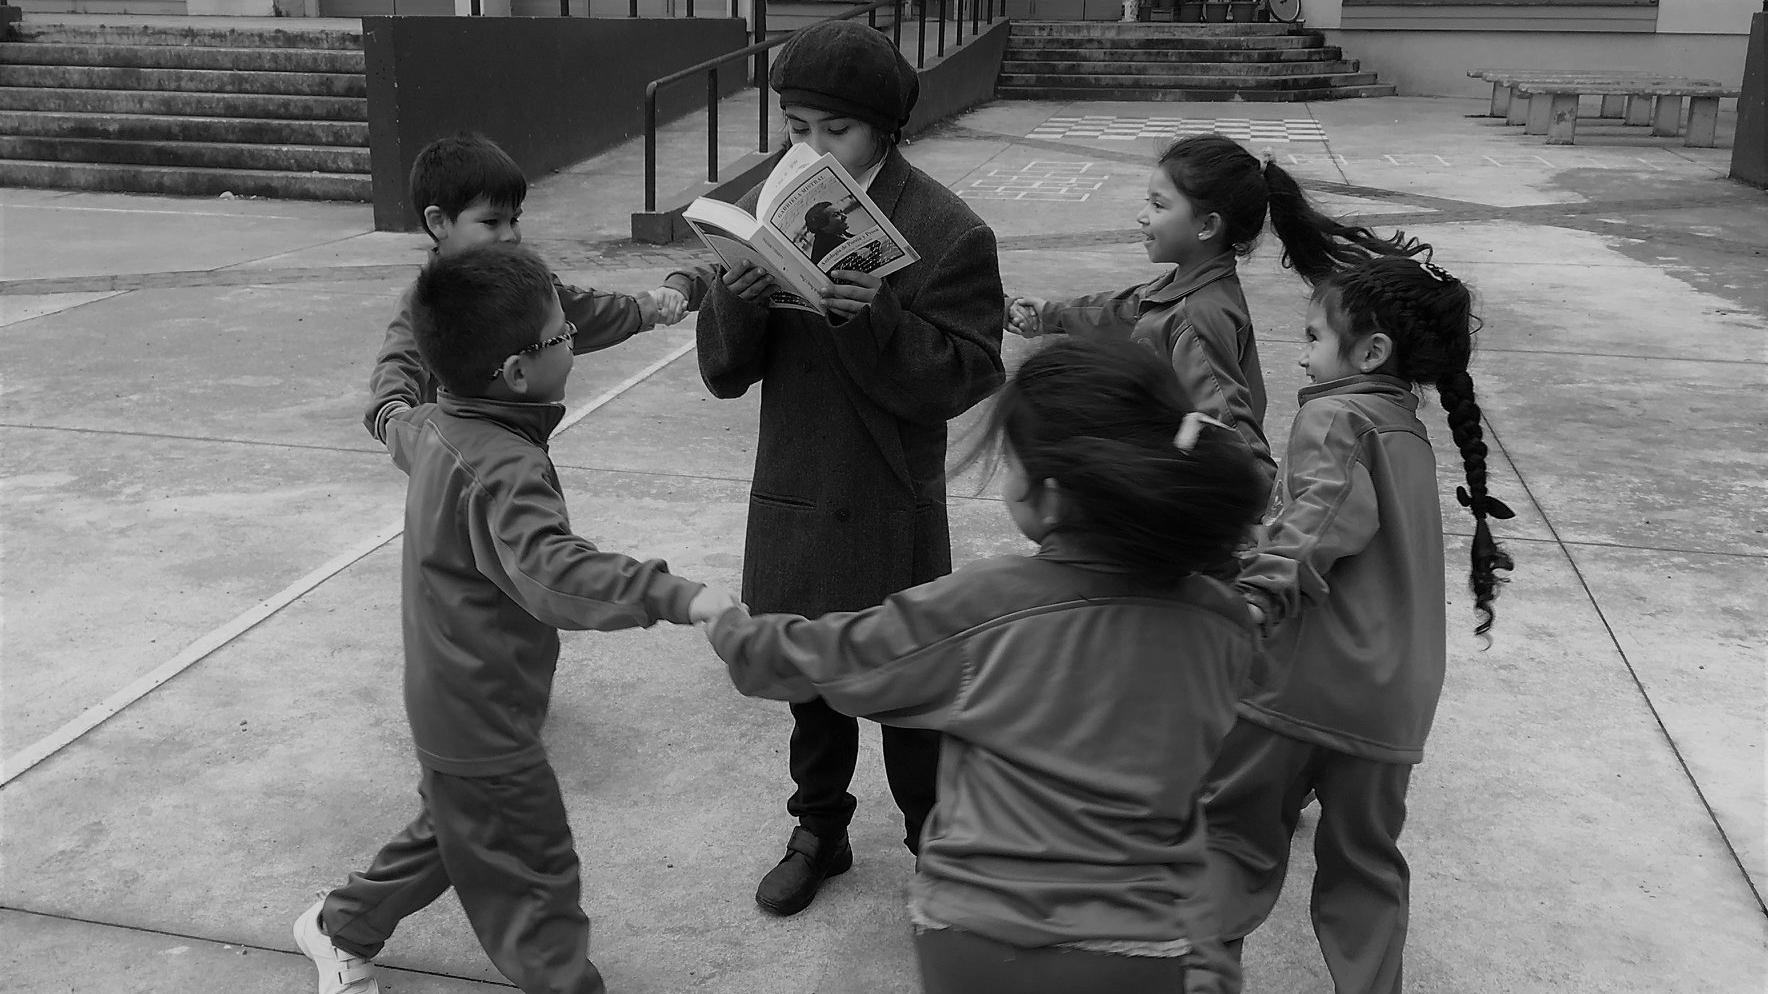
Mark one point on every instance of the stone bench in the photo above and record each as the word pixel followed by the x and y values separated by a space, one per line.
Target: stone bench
pixel 1557 116
pixel 1514 107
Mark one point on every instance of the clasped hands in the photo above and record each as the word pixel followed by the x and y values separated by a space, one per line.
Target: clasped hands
pixel 1020 316
pixel 709 604
pixel 850 294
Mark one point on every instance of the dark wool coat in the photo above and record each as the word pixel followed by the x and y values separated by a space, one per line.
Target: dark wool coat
pixel 848 501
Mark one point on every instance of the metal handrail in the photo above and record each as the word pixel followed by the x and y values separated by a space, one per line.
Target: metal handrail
pixel 759 50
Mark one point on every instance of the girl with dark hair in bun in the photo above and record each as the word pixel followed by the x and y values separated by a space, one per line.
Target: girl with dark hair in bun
pixel 1347 583
pixel 848 500
pixel 1207 202
pixel 1082 691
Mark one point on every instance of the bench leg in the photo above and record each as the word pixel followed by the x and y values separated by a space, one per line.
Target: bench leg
pixel 1614 106
pixel 1639 110
pixel 1540 113
pixel 1666 118
pixel 1562 119
pixel 1500 101
pixel 1519 108
pixel 1703 122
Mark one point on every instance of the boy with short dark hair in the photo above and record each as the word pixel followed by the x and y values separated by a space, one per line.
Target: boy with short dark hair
pixel 492 571
pixel 469 192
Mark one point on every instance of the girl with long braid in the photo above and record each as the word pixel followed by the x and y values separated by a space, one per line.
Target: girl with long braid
pixel 1347 585
pixel 1207 202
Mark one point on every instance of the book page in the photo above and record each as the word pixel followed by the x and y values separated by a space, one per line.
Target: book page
pixel 822 212
pixel 732 250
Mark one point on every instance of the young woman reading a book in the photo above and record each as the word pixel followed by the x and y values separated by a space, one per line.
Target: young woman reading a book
pixel 848 500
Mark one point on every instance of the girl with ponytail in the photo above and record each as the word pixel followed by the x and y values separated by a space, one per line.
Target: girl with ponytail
pixel 1207 202
pixel 1347 584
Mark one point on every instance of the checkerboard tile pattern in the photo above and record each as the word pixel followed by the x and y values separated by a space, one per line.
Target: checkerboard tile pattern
pixel 1059 182
pixel 1104 127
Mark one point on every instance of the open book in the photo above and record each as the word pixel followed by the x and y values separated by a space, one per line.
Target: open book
pixel 812 219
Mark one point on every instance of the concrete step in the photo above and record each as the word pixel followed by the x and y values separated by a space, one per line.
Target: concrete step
pixel 209 37
pixel 133 8
pixel 1163 81
pixel 163 127
pixel 300 84
pixel 1221 70
pixel 1143 29
pixel 1162 54
pixel 208 155
pixel 185 182
pixel 182 57
pixel 258 105
pixel 1202 95
pixel 1248 43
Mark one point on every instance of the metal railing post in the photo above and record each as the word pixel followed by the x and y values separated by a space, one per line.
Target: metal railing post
pixel 960 22
pixel 712 124
pixel 650 148
pixel 896 24
pixel 941 51
pixel 921 36
pixel 761 141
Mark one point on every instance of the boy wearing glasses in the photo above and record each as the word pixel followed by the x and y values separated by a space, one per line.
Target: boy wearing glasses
pixel 491 571
pixel 469 192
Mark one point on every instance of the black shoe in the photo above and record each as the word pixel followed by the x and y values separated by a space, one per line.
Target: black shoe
pixel 790 887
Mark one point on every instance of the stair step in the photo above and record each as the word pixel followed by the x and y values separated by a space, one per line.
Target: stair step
pixel 1201 95
pixel 164 127
pixel 1144 29
pixel 210 155
pixel 38 53
pixel 1252 43
pixel 257 105
pixel 1223 70
pixel 1162 54
pixel 185 182
pixel 186 80
pixel 207 37
pixel 1172 82
pixel 133 8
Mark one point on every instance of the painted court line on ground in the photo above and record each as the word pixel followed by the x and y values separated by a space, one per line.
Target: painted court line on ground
pixel 108 708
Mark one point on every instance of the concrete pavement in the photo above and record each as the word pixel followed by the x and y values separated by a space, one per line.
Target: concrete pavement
pixel 200 581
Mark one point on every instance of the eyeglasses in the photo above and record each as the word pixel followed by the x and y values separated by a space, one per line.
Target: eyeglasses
pixel 561 338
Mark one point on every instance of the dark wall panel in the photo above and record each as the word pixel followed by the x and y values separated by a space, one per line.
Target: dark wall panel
pixel 551 91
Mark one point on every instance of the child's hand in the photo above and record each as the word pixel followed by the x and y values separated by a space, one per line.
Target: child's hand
pixel 1022 316
pixel 1258 614
pixel 853 292
pixel 711 602
pixel 672 304
pixel 751 283
pixel 647 310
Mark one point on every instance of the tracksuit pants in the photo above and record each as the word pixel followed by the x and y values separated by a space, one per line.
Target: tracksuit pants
pixel 1360 893
pixel 823 753
pixel 503 844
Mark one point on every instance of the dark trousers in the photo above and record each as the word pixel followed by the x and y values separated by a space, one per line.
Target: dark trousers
pixel 824 750
pixel 954 961
pixel 1360 895
pixel 503 845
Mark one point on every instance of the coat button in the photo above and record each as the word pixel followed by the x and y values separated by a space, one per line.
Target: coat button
pixel 842 514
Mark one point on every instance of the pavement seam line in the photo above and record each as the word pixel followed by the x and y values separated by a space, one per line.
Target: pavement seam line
pixel 216 638
pixel 1638 684
pixel 296 953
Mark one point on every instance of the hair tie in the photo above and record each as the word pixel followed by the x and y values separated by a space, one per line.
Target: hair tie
pixel 1437 272
pixel 1486 507
pixel 1186 437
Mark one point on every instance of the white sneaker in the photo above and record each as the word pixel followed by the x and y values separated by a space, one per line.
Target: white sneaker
pixel 339 972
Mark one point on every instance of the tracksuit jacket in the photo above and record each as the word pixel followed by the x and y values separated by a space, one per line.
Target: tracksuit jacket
pixel 492 571
pixel 400 381
pixel 1198 322
pixel 1081 709
pixel 1349 573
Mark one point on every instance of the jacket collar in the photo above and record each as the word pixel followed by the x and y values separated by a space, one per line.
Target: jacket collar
pixel 1392 387
pixel 1061 547
pixel 534 422
pixel 1178 282
pixel 887 186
